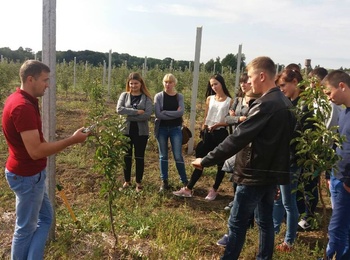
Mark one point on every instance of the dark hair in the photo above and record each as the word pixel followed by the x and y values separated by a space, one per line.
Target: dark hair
pixel 32 68
pixel 137 76
pixel 293 66
pixel 289 75
pixel 335 77
pixel 243 78
pixel 319 72
pixel 219 78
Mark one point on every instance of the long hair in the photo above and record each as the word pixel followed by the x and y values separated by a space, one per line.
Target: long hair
pixel 219 78
pixel 137 76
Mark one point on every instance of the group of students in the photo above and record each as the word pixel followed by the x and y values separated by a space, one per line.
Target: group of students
pixel 258 151
pixel 222 113
pixel 136 104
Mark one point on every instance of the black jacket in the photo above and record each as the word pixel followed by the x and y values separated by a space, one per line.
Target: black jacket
pixel 266 136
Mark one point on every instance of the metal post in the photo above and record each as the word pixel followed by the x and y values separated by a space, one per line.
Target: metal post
pixel 195 88
pixel 49 99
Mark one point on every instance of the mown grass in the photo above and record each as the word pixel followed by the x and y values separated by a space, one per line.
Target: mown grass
pixel 150 225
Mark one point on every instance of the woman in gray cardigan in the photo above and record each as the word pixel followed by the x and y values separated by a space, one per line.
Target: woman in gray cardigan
pixel 136 104
pixel 169 109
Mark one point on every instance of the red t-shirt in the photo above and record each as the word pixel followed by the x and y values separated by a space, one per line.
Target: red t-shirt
pixel 21 113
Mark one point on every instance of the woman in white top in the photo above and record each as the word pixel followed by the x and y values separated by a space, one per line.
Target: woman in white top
pixel 214 131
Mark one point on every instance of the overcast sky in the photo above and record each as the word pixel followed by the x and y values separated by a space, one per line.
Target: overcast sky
pixel 286 30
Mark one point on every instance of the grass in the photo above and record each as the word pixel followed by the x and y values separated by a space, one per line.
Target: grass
pixel 150 225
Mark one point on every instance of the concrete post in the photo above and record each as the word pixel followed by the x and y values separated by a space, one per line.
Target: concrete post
pixel 195 88
pixel 49 99
pixel 238 70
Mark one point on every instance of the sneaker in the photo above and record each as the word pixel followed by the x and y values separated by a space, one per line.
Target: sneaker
pixel 284 247
pixel 229 206
pixel 304 224
pixel 223 241
pixel 211 195
pixel 183 192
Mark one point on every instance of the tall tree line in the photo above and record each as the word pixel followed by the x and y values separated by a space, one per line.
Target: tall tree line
pixel 229 63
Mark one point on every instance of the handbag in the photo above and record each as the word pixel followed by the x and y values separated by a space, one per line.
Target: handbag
pixel 186 134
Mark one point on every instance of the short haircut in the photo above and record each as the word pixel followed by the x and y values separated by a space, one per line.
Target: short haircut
pixel 319 72
pixel 32 68
pixel 264 64
pixel 335 77
pixel 170 77
pixel 293 66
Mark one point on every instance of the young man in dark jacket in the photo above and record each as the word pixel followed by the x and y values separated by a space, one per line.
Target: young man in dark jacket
pixel 263 164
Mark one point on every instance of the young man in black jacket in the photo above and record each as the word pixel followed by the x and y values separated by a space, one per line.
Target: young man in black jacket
pixel 263 163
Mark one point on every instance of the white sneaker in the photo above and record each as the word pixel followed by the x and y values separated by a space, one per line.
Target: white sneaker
pixel 211 195
pixel 304 224
pixel 183 192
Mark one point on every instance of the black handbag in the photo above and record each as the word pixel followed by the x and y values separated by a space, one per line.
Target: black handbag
pixel 186 134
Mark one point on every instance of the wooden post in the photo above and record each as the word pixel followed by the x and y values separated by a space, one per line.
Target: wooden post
pixel 195 88
pixel 238 70
pixel 49 99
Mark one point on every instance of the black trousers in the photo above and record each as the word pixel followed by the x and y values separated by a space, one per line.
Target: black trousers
pixel 203 148
pixel 138 144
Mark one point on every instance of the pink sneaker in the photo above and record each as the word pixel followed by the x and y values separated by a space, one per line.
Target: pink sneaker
pixel 183 192
pixel 211 195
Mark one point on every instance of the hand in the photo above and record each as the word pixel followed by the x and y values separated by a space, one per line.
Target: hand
pixel 346 188
pixel 140 112
pixel 277 194
pixel 232 113
pixel 179 108
pixel 242 118
pixel 197 164
pixel 79 136
pixel 328 181
pixel 213 127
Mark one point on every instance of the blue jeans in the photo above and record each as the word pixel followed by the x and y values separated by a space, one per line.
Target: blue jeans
pixel 339 225
pixel 33 215
pixel 246 200
pixel 287 203
pixel 175 135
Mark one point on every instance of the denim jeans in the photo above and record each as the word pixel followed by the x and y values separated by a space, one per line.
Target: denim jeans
pixel 33 215
pixel 339 225
pixel 246 200
pixel 287 203
pixel 175 135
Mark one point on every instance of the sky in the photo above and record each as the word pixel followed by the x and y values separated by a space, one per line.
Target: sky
pixel 288 31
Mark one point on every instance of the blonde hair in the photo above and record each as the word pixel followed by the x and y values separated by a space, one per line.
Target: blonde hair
pixel 263 63
pixel 170 77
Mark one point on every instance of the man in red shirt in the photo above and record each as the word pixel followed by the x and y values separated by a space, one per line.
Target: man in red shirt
pixel 25 166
